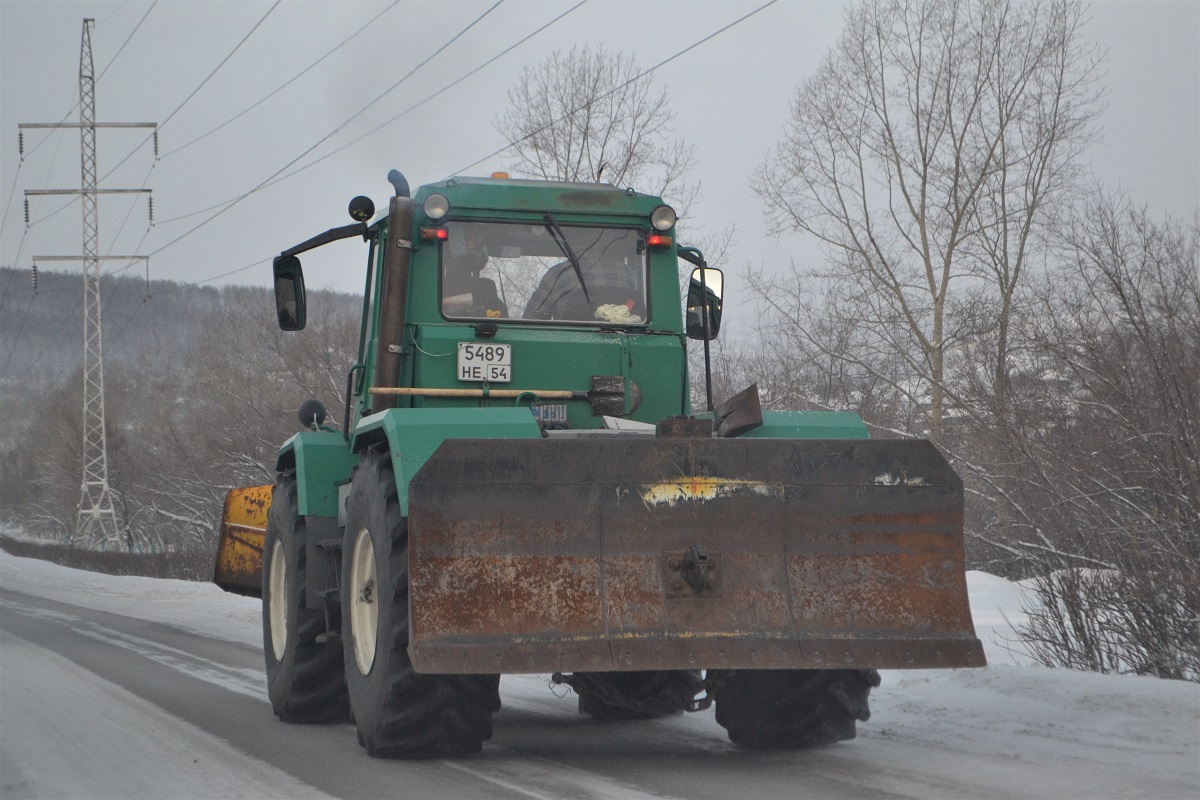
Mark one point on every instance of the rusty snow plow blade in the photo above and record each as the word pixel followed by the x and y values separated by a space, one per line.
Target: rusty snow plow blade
pixel 240 547
pixel 599 554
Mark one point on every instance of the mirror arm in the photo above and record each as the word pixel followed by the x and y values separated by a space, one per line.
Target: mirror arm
pixel 692 256
pixel 331 235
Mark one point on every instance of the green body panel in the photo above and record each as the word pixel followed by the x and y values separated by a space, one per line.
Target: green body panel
pixel 553 356
pixel 557 359
pixel 322 460
pixel 413 434
pixel 810 425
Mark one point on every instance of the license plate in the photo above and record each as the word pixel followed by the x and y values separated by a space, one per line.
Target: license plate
pixel 491 363
pixel 550 414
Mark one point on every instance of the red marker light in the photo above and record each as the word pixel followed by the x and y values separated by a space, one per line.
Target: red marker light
pixel 435 234
pixel 658 240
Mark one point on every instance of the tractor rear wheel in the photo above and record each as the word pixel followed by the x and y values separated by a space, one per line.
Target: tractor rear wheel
pixel 304 677
pixel 398 712
pixel 763 709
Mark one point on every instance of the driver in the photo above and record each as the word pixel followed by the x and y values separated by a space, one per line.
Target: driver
pixel 464 292
pixel 612 294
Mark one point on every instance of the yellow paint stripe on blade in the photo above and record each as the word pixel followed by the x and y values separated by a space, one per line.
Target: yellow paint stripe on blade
pixel 700 487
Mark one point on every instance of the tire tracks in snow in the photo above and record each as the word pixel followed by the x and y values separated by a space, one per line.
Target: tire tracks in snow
pixel 248 683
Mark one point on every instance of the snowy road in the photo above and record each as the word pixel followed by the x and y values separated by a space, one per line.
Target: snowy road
pixel 130 687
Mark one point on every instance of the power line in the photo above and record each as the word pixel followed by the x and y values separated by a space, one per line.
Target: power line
pixel 70 111
pixel 177 108
pixel 12 193
pixel 127 40
pixel 436 94
pixel 111 61
pixel 70 365
pixel 615 89
pixel 132 205
pixel 61 208
pixel 116 10
pixel 273 180
pixel 17 258
pixel 112 290
pixel 225 60
pixel 76 105
pixel 181 287
pixel 7 284
pixel 49 172
pixel 20 330
pixel 187 99
pixel 113 340
pixel 49 343
pixel 284 85
pixel 17 340
pixel 325 138
pixel 70 314
pixel 309 150
pixel 69 203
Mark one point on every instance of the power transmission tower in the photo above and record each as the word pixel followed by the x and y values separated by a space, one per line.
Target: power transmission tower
pixel 96 522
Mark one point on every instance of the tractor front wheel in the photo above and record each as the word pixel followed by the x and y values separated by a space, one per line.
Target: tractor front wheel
pixel 399 713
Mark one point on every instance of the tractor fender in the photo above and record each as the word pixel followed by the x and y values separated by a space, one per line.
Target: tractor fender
pixel 411 435
pixel 321 460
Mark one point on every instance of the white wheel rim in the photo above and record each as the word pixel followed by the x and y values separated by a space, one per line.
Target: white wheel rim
pixel 364 602
pixel 277 586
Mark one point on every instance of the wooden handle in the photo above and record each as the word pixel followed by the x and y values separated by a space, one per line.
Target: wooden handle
pixel 503 394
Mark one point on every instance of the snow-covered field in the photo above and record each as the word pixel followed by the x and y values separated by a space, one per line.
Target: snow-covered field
pixel 1073 734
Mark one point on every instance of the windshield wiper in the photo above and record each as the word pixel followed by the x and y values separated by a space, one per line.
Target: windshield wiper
pixel 565 246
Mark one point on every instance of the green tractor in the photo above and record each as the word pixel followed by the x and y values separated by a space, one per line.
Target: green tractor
pixel 519 486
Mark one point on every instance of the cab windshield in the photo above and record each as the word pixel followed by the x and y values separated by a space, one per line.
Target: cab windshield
pixel 543 272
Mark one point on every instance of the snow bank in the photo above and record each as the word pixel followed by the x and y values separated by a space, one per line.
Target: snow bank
pixel 1009 730
pixel 198 607
pixel 996 610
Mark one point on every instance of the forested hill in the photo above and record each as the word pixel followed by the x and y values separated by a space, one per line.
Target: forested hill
pixel 200 388
pixel 41 335
pixel 149 327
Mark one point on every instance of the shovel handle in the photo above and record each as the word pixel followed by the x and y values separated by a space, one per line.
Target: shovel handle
pixel 502 394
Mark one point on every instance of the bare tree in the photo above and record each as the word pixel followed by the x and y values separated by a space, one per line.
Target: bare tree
pixel 923 154
pixel 1091 480
pixel 1099 447
pixel 586 115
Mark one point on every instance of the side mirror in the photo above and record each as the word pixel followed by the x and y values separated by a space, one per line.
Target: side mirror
pixel 289 293
pixel 704 303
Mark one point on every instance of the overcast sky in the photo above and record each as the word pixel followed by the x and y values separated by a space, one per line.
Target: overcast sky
pixel 731 95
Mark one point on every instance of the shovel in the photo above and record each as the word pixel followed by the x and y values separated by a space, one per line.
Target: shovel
pixel 607 395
